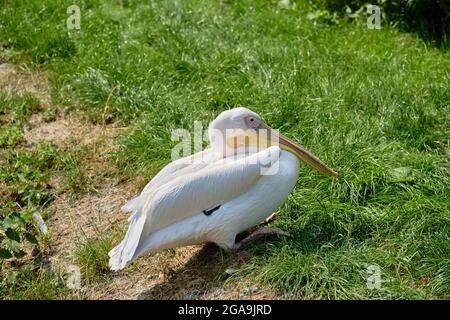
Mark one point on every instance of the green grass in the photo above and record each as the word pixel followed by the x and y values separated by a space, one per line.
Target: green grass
pixel 31 284
pixel 374 104
pixel 92 256
pixel 14 113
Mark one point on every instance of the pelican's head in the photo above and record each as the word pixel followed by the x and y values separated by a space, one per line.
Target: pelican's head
pixel 241 130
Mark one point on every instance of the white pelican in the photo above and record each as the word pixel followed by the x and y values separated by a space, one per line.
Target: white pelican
pixel 214 195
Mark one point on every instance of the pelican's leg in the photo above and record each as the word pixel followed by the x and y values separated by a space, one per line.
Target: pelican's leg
pixel 268 219
pixel 260 233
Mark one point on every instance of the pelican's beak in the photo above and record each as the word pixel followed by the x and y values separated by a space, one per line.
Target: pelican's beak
pixel 300 151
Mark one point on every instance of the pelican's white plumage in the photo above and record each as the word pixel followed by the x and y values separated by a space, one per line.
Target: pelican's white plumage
pixel 170 211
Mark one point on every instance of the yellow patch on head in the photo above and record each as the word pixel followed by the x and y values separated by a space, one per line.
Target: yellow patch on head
pixel 249 138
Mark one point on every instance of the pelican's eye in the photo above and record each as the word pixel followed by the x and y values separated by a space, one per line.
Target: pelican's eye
pixel 252 121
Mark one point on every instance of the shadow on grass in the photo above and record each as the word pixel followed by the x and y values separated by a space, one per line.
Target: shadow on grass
pixel 429 21
pixel 197 278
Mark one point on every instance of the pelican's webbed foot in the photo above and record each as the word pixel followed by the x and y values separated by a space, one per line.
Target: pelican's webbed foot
pixel 260 233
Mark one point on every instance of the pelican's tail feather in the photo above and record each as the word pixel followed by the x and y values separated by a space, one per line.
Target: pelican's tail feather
pixel 114 257
pixel 132 205
pixel 123 254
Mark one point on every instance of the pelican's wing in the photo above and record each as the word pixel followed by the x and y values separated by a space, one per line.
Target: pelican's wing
pixel 190 194
pixel 174 169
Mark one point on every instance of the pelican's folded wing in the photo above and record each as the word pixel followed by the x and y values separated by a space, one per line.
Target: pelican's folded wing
pixel 216 184
pixel 174 169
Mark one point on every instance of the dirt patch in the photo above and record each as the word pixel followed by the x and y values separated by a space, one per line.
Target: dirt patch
pixel 20 79
pixel 198 273
pixel 69 126
pixel 75 217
